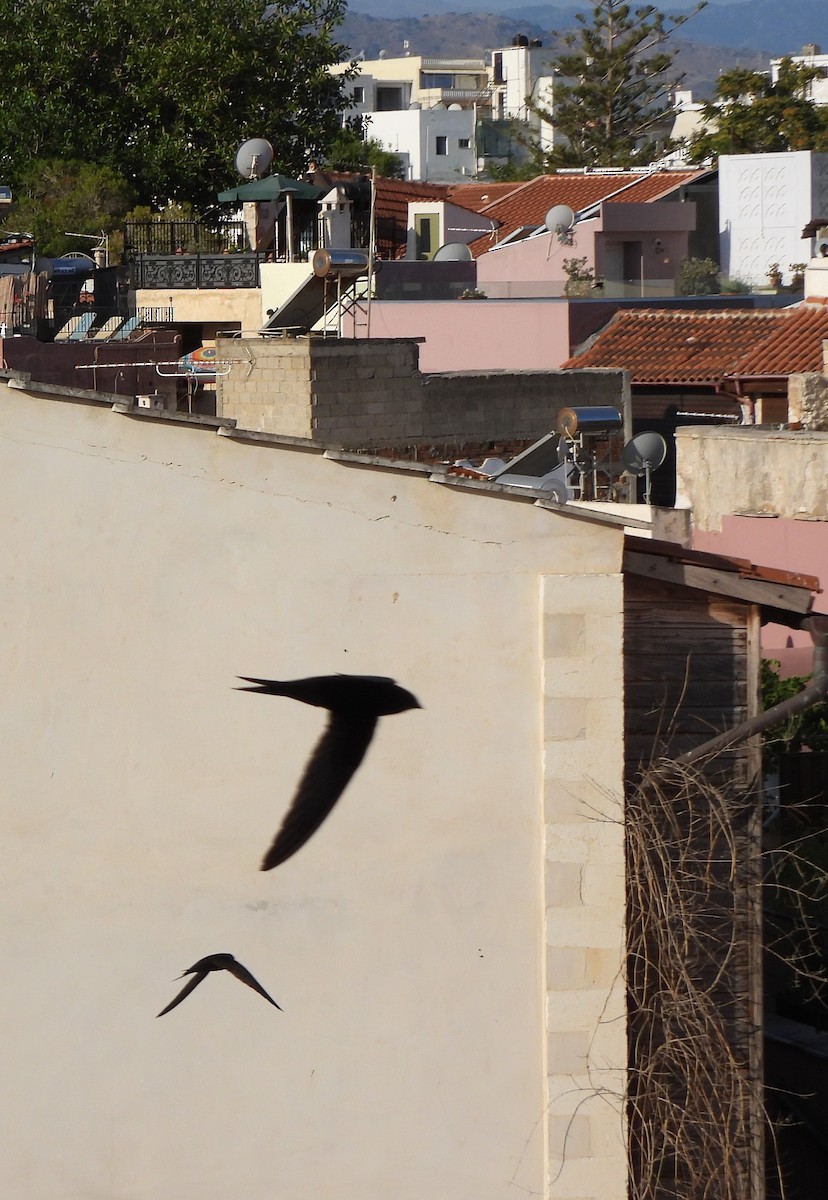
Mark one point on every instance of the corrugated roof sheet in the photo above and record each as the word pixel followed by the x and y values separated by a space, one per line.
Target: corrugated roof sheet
pixel 663 346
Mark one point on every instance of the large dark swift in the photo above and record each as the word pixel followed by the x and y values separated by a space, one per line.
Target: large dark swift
pixel 216 962
pixel 355 703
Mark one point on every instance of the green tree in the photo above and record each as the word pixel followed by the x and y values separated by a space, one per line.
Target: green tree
pixel 750 114
pixel 54 196
pixel 164 94
pixel 615 84
pixel 351 150
pixel 698 277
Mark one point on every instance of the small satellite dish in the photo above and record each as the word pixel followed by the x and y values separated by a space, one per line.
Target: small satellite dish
pixel 643 454
pixel 645 451
pixel 253 158
pixel 455 108
pixel 452 252
pixel 559 219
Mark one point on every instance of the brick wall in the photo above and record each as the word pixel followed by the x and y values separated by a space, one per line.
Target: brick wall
pixel 371 394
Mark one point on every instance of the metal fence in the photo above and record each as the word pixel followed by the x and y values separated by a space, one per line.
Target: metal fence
pixel 186 254
pixel 182 237
pixel 196 270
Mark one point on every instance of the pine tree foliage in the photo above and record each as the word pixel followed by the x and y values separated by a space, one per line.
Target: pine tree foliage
pixel 615 82
pixel 353 150
pixel 751 114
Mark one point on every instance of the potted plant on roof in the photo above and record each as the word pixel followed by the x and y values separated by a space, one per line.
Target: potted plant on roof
pixel 798 275
pixel 580 279
pixel 775 274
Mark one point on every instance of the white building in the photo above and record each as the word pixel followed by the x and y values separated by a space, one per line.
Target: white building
pixel 448 950
pixel 811 56
pixel 765 201
pixel 467 108
pixel 435 144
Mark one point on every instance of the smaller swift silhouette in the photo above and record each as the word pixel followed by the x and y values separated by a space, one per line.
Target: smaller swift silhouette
pixel 354 703
pixel 216 962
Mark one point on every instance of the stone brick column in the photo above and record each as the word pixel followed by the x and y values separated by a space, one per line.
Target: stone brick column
pixel 583 729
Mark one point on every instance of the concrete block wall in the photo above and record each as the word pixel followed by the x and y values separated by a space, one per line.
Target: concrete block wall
pixel 267 384
pixel 365 393
pixel 370 394
pixel 510 404
pixel 582 624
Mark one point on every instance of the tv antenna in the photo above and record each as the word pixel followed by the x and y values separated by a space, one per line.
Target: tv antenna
pixel 253 158
pixel 643 454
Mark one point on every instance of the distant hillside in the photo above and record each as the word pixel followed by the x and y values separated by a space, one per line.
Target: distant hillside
pixel 746 25
pixel 471 34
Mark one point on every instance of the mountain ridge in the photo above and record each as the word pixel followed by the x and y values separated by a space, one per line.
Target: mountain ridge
pixel 747 26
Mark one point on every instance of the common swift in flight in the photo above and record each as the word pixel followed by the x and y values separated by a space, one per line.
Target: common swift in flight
pixel 216 962
pixel 354 703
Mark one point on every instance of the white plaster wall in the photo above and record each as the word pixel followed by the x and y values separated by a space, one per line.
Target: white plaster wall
pixel 414 132
pixel 145 565
pixel 765 200
pixel 242 306
pixel 245 307
pixel 722 470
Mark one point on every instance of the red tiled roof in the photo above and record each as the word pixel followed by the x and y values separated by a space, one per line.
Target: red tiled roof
pixel 528 203
pixel 391 210
pixel 478 196
pixel 658 346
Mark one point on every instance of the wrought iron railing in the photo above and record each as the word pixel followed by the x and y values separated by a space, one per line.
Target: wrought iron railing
pixel 196 270
pixel 182 237
pixel 158 258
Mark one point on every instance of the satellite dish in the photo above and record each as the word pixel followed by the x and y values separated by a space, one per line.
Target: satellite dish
pixel 643 454
pixel 253 158
pixel 455 108
pixel 559 219
pixel 452 252
pixel 645 451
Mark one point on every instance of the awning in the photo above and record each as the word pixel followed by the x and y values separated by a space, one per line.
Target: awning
pixel 272 187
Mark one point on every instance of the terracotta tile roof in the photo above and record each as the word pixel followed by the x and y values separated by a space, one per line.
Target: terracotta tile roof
pixel 392 200
pixel 663 346
pixel 528 203
pixel 478 196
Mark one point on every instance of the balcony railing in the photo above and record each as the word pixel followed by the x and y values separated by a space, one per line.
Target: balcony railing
pixel 196 270
pixel 182 237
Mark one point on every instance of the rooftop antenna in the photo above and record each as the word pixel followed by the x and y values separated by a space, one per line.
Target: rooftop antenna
pixel 253 158
pixel 561 220
pixel 643 454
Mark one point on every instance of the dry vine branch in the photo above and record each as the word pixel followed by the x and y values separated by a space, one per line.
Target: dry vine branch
pixel 695 1106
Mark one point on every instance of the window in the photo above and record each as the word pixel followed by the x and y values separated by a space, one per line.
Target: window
pixel 441 144
pixel 359 95
pixel 389 99
pixel 464 143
